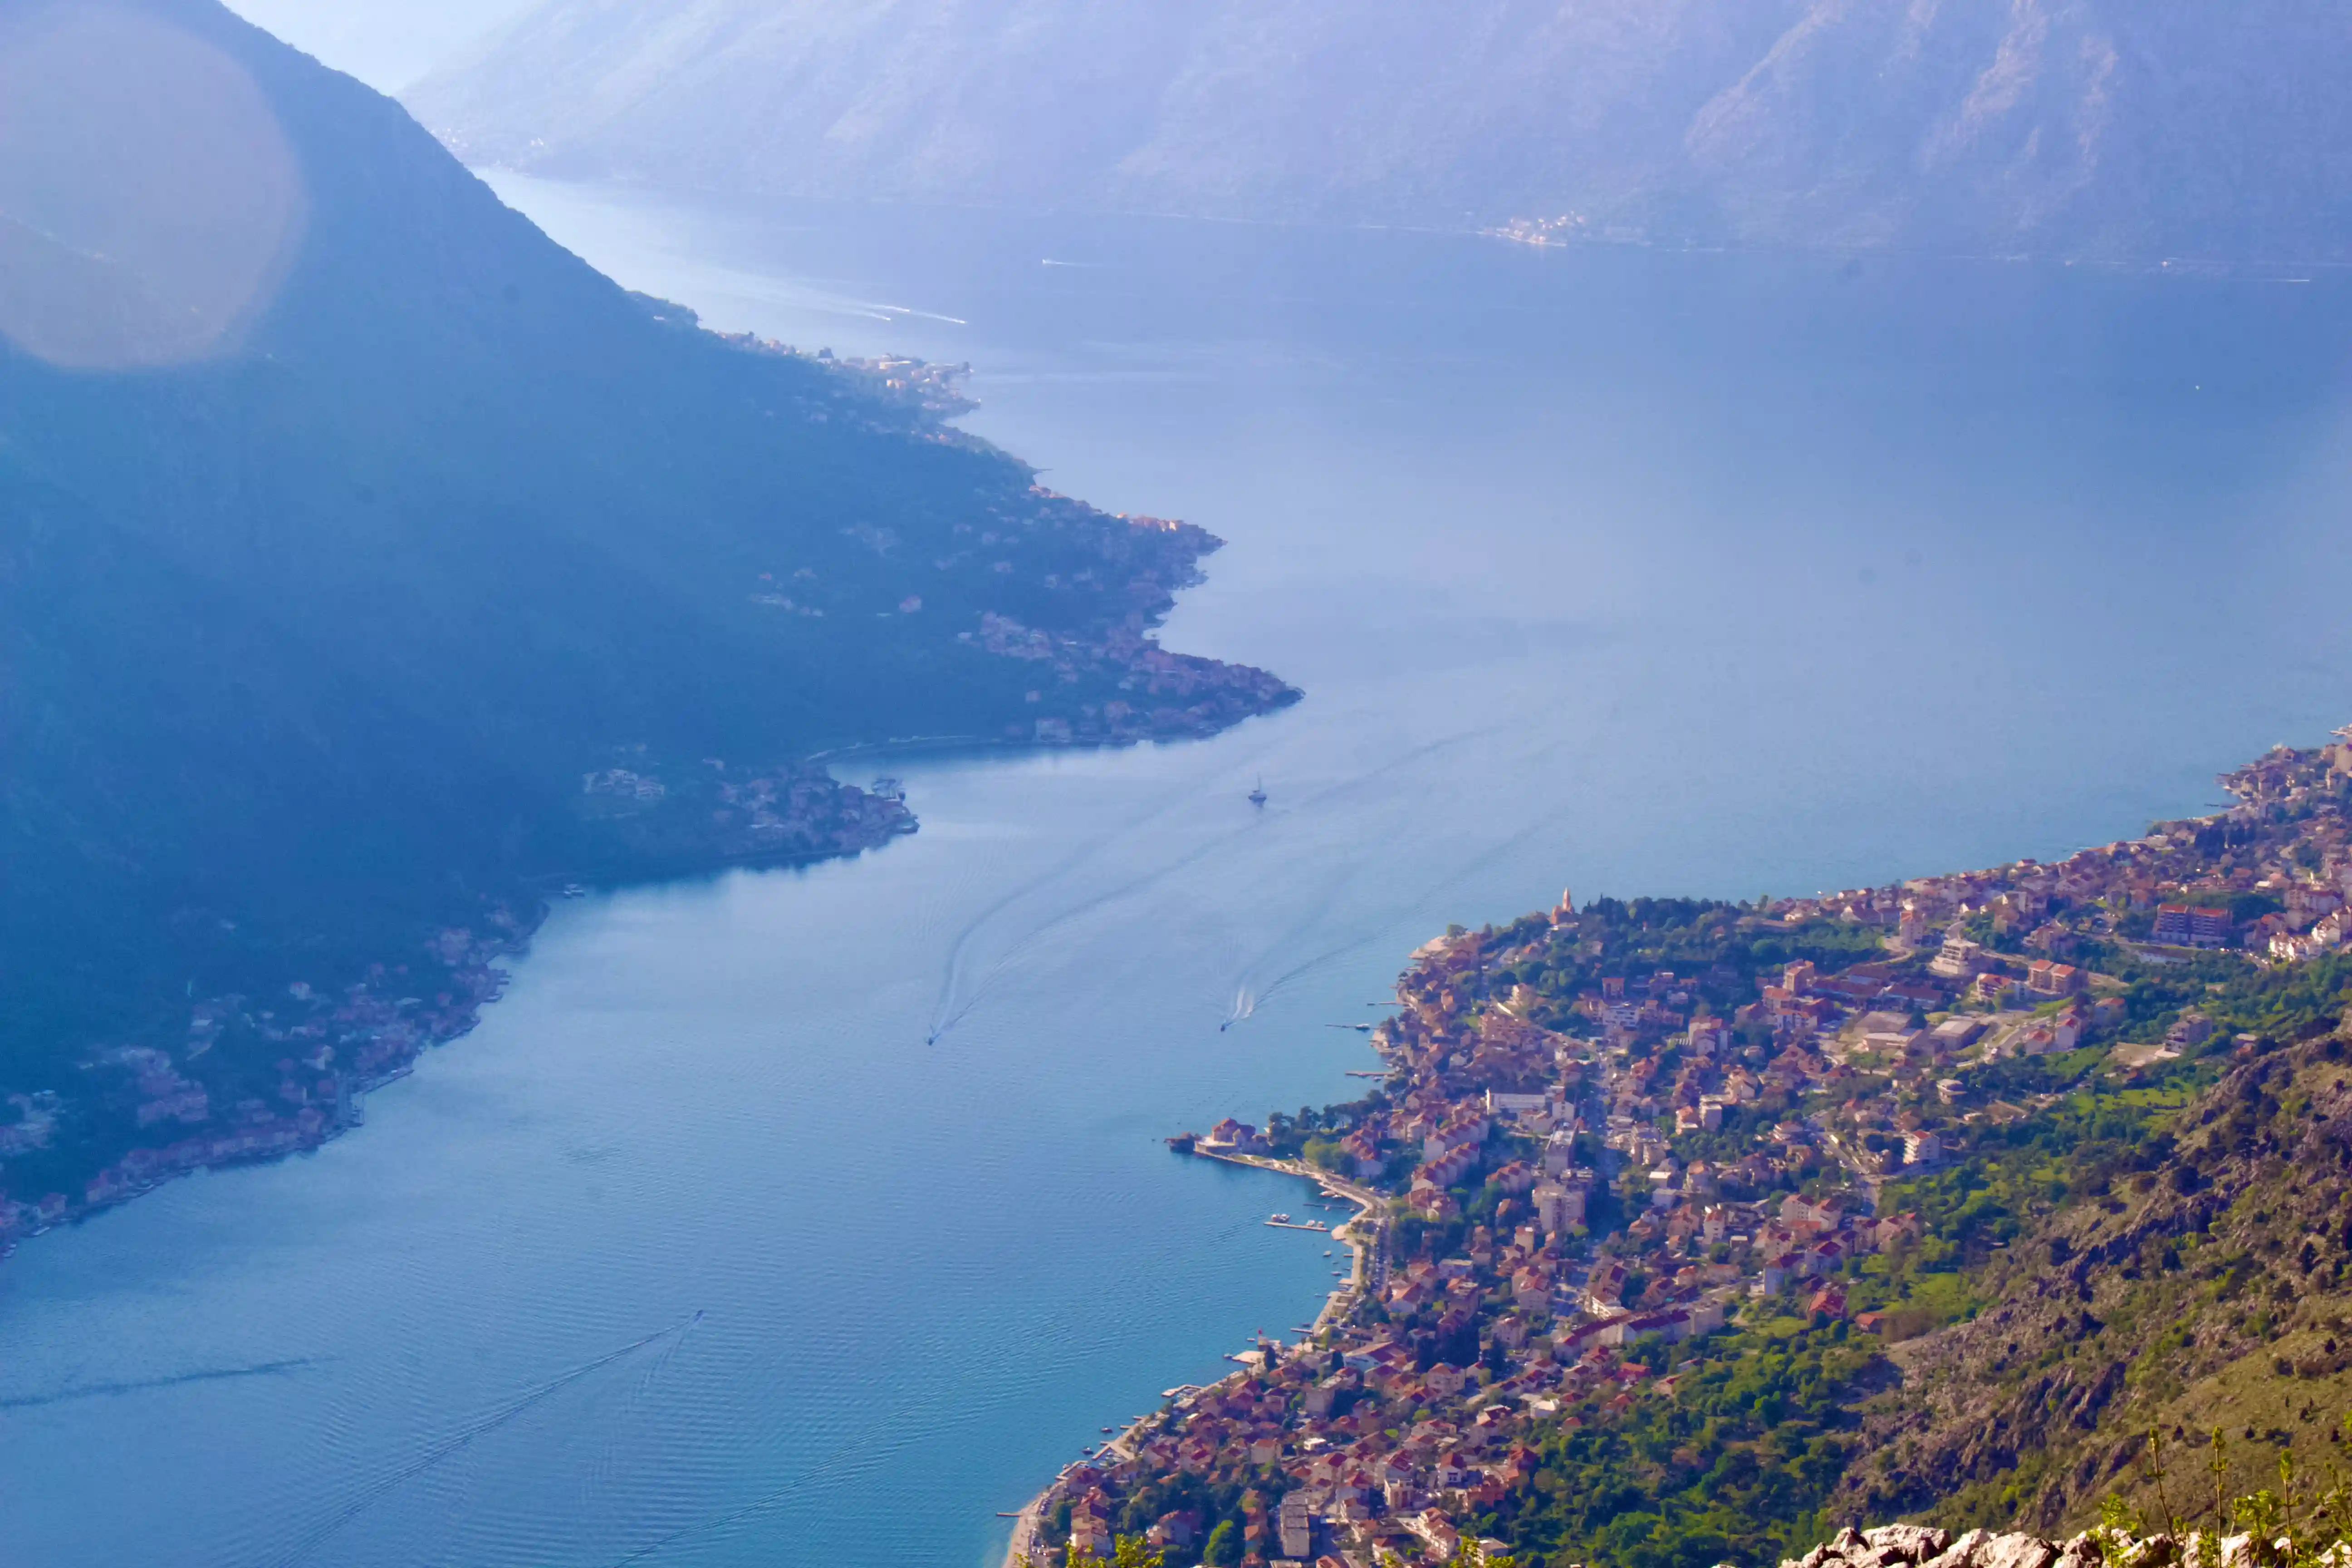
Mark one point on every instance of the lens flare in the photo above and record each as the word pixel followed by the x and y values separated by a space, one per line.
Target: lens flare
pixel 150 203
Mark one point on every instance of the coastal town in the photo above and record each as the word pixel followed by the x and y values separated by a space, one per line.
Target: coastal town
pixel 1609 1132
pixel 260 1078
pixel 167 1113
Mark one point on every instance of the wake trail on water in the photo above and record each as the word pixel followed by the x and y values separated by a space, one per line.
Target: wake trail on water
pixel 1247 1001
pixel 1248 998
pixel 1427 749
pixel 841 1459
pixel 465 1437
pixel 1080 910
pixel 142 1386
pixel 956 1004
pixel 953 1005
pixel 671 1348
pixel 1244 1001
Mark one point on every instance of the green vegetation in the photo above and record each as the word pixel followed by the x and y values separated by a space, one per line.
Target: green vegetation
pixel 2175 1259
pixel 1736 1465
pixel 2026 1169
pixel 1718 950
pixel 310 648
pixel 1126 1551
pixel 2296 1524
pixel 2199 1264
pixel 1216 1504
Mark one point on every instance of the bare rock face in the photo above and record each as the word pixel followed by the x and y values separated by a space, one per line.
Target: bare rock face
pixel 1907 1543
pixel 1923 1546
pixel 1920 1546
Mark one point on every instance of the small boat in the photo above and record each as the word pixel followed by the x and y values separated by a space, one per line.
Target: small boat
pixel 574 891
pixel 1258 796
pixel 1280 1218
pixel 1106 1431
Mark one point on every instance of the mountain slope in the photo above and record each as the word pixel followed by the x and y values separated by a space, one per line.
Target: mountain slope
pixel 365 556
pixel 2205 1292
pixel 2096 128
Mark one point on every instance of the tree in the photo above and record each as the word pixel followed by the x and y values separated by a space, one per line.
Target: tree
pixel 1223 1548
pixel 1126 1551
pixel 1470 1554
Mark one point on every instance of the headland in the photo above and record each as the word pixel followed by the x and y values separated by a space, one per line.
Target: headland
pixel 1665 1205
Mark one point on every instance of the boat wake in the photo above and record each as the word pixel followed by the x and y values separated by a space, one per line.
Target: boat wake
pixel 465 1437
pixel 851 1456
pixel 1248 1000
pixel 959 992
pixel 1248 997
pixel 956 1004
pixel 99 1390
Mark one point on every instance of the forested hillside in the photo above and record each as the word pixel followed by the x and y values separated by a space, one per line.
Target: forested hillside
pixel 369 565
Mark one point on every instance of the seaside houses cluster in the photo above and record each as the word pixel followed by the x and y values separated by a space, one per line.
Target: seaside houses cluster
pixel 2271 876
pixel 1586 1155
pixel 170 1105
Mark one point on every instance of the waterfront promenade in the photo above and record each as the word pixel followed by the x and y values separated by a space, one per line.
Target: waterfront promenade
pixel 1366 1237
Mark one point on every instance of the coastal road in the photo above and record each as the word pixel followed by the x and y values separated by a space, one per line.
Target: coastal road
pixel 1371 1251
pixel 1371 1272
pixel 1024 1544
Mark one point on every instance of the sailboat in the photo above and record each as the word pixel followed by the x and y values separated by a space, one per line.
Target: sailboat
pixel 1257 797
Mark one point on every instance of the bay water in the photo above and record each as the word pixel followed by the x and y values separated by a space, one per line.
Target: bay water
pixel 818 1215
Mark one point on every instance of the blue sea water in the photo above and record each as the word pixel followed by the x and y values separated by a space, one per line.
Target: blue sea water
pixel 818 1215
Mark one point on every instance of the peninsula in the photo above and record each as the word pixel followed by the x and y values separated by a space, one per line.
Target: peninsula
pixel 1691 1231
pixel 410 571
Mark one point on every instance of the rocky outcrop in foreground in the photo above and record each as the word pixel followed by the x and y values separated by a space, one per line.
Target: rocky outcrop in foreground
pixel 1922 1546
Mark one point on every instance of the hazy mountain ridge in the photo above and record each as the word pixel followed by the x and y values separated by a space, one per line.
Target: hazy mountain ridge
pixel 2090 127
pixel 335 623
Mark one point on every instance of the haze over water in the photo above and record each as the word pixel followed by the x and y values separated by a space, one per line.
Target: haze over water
pixel 811 1216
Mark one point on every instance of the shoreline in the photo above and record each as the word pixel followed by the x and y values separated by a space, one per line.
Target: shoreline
pixel 359 1037
pixel 1368 1255
pixel 1366 1252
pixel 362 1024
pixel 131 1177
pixel 1535 1062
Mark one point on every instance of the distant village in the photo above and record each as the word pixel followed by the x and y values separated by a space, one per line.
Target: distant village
pixel 257 1077
pixel 332 1050
pixel 1581 1157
